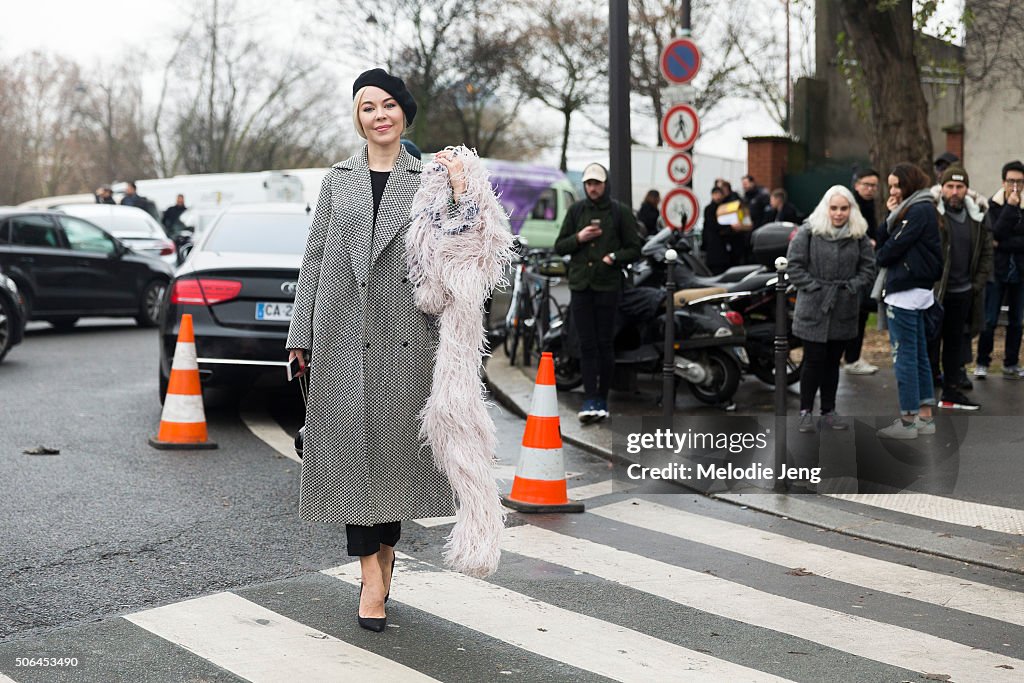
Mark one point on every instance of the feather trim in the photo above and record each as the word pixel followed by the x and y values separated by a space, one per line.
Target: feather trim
pixel 457 254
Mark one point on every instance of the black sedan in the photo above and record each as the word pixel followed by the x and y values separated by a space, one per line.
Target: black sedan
pixel 238 283
pixel 12 315
pixel 67 268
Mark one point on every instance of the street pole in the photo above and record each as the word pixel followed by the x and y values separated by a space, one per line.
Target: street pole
pixel 620 172
pixel 684 18
pixel 781 355
pixel 668 370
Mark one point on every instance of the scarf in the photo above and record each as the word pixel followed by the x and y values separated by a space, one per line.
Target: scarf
pixel 457 254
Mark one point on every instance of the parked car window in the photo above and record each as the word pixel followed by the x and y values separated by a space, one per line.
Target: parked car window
pixel 544 209
pixel 260 234
pixel 34 231
pixel 83 236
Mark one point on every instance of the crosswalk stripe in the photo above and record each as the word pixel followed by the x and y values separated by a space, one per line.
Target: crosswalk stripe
pixel 839 565
pixel 600 488
pixel 893 645
pixel 544 629
pixel 5 679
pixel 261 645
pixel 943 509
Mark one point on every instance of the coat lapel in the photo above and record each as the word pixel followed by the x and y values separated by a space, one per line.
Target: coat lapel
pixel 358 195
pixel 393 214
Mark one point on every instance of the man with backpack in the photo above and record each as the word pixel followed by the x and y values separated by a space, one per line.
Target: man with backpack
pixel 601 236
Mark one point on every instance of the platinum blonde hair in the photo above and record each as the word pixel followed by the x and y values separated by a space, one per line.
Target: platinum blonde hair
pixel 821 224
pixel 357 102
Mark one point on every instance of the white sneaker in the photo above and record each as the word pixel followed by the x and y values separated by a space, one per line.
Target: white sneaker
pixel 898 430
pixel 924 426
pixel 981 371
pixel 860 367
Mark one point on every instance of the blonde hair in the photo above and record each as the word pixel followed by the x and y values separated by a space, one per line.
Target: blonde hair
pixel 357 101
pixel 821 224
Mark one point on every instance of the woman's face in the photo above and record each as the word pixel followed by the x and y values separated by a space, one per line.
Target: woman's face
pixel 894 188
pixel 380 116
pixel 838 210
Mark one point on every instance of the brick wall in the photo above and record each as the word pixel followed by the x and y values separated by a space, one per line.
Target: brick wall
pixel 955 140
pixel 767 160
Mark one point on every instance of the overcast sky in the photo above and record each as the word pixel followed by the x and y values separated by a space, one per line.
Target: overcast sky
pixel 104 33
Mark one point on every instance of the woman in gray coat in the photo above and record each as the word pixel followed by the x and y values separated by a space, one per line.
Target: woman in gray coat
pixel 370 350
pixel 830 261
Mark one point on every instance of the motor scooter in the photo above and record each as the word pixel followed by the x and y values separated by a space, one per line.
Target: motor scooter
pixel 709 345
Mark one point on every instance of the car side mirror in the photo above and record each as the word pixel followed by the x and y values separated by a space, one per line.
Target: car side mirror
pixel 183 252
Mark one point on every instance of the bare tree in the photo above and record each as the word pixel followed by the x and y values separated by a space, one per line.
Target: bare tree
pixel 566 66
pixel 883 36
pixel 239 107
pixel 455 56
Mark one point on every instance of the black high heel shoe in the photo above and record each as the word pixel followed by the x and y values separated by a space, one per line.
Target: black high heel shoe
pixel 375 624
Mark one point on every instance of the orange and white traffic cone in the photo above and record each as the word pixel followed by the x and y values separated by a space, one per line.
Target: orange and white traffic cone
pixel 539 485
pixel 183 422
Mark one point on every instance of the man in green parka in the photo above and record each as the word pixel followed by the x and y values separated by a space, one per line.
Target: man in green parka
pixel 601 236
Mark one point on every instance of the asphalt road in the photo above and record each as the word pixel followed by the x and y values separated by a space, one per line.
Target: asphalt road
pixel 150 565
pixel 111 524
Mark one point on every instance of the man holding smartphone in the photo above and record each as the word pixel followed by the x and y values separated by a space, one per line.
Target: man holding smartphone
pixel 601 236
pixel 1005 220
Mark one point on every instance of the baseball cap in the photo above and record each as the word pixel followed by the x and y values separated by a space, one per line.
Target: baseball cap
pixel 595 172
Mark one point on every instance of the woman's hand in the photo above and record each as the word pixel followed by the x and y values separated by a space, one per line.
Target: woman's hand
pixel 301 355
pixel 456 172
pixel 891 203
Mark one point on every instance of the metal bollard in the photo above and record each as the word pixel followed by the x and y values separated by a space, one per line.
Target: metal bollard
pixel 781 355
pixel 668 372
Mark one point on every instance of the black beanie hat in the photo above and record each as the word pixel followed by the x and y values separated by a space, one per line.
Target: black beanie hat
pixel 392 85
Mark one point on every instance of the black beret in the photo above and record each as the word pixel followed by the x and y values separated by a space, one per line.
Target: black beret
pixel 392 85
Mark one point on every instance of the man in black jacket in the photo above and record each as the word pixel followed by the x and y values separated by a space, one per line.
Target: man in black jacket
pixel 601 236
pixel 865 186
pixel 756 198
pixel 1005 220
pixel 715 236
pixel 966 267
pixel 780 210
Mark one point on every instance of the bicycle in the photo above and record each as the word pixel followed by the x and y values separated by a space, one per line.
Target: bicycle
pixel 532 310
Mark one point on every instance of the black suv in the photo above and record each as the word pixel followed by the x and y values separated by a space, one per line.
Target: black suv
pixel 67 268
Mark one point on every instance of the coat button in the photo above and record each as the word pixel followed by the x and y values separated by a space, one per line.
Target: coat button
pixel 362 284
pixel 589 264
pixel 405 343
pixel 367 344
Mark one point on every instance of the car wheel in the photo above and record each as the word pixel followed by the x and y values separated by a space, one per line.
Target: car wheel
pixel 63 323
pixel 150 303
pixel 6 327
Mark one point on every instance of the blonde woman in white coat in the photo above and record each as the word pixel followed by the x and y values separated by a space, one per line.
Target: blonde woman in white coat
pixel 370 350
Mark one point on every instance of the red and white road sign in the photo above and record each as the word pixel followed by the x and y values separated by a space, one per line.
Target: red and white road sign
pixel 680 126
pixel 679 209
pixel 680 168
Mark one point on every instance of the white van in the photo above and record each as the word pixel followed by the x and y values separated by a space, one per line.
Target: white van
pixel 212 190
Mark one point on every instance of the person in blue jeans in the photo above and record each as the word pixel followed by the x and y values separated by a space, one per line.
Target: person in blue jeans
pixel 1006 221
pixel 910 255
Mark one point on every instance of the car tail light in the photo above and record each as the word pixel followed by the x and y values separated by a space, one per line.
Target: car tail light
pixel 166 248
pixel 204 291
pixel 734 318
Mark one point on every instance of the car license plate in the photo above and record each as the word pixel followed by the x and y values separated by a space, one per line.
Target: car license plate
pixel 266 310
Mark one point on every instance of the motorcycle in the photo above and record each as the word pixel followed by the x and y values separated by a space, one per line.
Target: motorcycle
pixel 749 290
pixel 708 341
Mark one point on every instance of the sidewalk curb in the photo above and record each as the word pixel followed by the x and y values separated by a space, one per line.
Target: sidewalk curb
pixel 513 390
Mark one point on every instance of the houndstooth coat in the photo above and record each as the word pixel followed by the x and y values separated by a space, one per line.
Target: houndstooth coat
pixel 372 356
